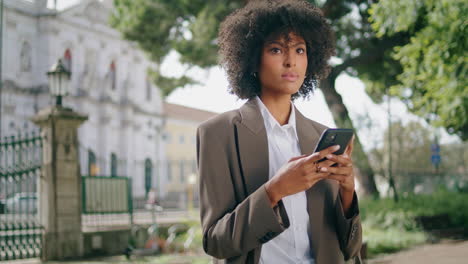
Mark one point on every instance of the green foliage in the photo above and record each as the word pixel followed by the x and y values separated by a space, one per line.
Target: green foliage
pixel 167 84
pixel 391 240
pixel 389 226
pixel 433 80
pixel 189 27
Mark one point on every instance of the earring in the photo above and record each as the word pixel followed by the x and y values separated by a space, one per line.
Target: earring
pixel 254 75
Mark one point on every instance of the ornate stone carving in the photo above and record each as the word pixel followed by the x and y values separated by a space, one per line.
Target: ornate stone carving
pixel 96 13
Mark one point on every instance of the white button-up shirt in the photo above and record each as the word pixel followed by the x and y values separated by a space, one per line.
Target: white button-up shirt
pixel 292 245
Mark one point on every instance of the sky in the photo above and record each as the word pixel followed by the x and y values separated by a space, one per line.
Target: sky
pixel 212 95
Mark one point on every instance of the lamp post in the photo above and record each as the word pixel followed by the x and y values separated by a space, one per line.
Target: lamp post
pixel 59 80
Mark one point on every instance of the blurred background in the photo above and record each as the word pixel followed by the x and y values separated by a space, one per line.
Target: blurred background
pixel 146 74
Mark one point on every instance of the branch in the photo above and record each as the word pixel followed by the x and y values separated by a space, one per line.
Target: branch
pixel 330 6
pixel 374 53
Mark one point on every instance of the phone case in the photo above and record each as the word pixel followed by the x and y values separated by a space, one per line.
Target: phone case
pixel 335 136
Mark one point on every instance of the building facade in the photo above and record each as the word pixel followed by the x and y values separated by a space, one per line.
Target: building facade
pixel 124 133
pixel 180 144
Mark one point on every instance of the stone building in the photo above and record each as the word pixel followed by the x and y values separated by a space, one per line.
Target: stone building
pixel 109 83
pixel 180 145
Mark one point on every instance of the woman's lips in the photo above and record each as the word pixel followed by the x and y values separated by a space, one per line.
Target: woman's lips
pixel 290 77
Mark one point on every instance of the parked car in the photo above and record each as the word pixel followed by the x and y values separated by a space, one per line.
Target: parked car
pixel 21 203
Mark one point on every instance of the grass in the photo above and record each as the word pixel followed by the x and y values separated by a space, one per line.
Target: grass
pixel 389 226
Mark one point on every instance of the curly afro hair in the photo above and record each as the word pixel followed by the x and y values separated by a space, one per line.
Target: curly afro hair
pixel 243 33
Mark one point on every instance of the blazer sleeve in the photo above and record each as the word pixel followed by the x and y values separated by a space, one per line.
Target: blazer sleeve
pixel 349 230
pixel 230 228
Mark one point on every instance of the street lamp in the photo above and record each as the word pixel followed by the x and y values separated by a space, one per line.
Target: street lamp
pixel 59 80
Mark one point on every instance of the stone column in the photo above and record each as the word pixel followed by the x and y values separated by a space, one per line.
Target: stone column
pixel 59 187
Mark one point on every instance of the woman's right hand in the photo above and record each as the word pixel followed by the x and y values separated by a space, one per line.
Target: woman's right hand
pixel 299 174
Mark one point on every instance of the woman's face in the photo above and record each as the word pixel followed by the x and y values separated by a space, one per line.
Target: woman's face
pixel 283 65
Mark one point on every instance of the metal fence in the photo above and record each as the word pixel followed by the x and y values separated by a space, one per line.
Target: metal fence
pixel 427 181
pixel 20 167
pixel 107 201
pixel 423 180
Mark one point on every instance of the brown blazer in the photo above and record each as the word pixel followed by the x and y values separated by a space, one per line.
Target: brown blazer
pixel 236 216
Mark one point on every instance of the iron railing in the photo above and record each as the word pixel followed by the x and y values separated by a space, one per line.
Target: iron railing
pixel 20 167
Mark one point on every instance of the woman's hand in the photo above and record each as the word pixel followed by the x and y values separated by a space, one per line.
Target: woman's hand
pixel 299 174
pixel 343 174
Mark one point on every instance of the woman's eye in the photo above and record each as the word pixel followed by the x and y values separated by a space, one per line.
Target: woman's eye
pixel 275 50
pixel 300 50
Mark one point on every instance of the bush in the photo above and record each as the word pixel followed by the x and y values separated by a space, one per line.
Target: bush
pixel 389 226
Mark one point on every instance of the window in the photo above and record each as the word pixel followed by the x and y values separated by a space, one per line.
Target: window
pixel 25 57
pixel 67 60
pixel 148 89
pixel 92 165
pixel 112 75
pixel 169 171
pixel 113 165
pixel 181 139
pixel 148 174
pixel 182 172
pixel 167 137
pixel 194 166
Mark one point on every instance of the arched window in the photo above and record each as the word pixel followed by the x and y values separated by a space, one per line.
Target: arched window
pixel 25 57
pixel 67 60
pixel 148 175
pixel 113 165
pixel 92 164
pixel 112 75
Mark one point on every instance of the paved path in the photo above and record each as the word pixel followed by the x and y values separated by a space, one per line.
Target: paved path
pixel 445 252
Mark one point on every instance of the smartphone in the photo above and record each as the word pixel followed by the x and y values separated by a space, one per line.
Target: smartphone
pixel 334 136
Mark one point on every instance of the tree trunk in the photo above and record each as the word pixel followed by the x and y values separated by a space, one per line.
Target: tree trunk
pixel 364 172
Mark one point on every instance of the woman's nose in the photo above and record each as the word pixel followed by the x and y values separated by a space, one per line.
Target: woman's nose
pixel 289 60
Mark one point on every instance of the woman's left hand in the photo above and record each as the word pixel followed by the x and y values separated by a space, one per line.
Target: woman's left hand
pixel 343 173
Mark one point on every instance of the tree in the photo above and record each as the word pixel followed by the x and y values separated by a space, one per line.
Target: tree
pixel 190 27
pixel 411 158
pixel 434 65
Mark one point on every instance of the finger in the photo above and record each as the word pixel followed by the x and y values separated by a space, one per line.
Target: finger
pixel 314 166
pixel 350 147
pixel 339 178
pixel 319 174
pixel 321 154
pixel 337 170
pixel 326 163
pixel 296 158
pixel 343 160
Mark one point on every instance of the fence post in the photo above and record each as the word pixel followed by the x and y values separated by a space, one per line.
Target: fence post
pixel 59 187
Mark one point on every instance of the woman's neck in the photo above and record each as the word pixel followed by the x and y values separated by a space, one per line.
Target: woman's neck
pixel 279 106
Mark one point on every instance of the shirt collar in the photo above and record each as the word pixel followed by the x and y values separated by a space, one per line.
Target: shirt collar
pixel 270 121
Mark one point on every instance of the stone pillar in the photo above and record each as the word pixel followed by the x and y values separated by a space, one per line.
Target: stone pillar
pixel 59 187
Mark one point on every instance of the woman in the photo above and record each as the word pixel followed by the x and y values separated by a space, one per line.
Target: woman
pixel 265 197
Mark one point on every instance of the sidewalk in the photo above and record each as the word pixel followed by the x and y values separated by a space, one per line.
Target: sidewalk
pixel 445 252
pixel 165 259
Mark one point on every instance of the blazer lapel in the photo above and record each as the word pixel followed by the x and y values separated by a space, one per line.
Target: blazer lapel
pixel 308 136
pixel 253 146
